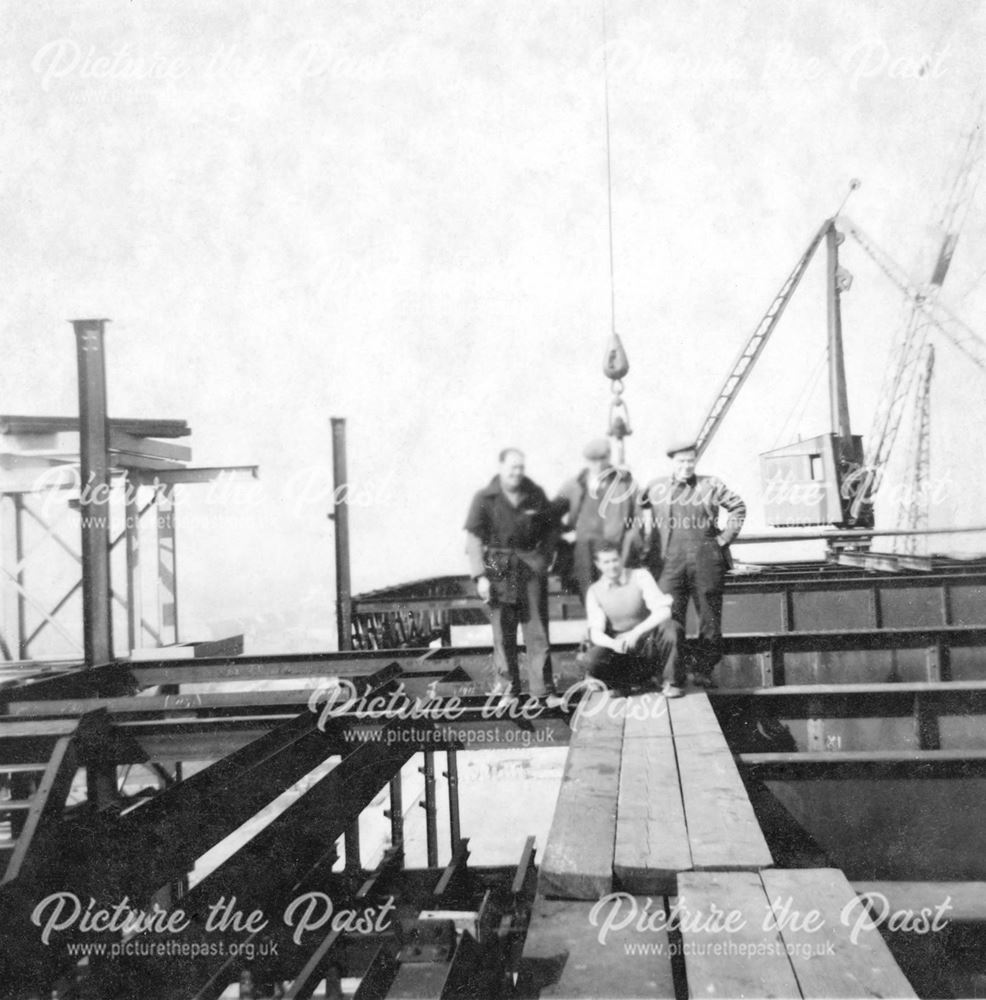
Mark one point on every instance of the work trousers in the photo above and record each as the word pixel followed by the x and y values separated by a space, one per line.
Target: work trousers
pixel 584 568
pixel 657 658
pixel 695 569
pixel 530 610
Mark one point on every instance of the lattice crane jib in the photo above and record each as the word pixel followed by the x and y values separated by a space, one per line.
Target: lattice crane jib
pixel 914 502
pixel 925 312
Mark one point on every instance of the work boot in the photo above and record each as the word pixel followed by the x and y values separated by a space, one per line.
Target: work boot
pixel 670 690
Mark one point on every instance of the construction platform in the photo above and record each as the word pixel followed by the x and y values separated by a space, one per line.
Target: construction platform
pixel 657 880
pixel 703 800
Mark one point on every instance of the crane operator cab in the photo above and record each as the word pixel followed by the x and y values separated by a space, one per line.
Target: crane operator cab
pixel 816 482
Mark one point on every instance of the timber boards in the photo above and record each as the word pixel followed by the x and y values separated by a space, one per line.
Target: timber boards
pixel 651 835
pixel 578 859
pixel 739 958
pixel 564 959
pixel 723 831
pixel 849 968
pixel 781 934
pixel 650 789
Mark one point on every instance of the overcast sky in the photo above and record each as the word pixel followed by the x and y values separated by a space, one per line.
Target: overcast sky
pixel 396 213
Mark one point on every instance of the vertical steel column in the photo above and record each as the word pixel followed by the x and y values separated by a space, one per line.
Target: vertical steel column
pixel 396 811
pixel 167 570
pixel 12 597
pixel 22 636
pixel 452 774
pixel 838 394
pixel 430 808
pixel 17 639
pixel 94 504
pixel 340 515
pixel 131 513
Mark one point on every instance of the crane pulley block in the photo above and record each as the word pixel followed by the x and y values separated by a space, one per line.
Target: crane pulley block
pixel 615 364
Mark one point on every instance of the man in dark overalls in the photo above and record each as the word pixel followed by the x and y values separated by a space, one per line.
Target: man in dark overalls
pixel 511 530
pixel 687 552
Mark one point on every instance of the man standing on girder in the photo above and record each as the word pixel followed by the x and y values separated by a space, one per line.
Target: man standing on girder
pixel 686 550
pixel 511 530
pixel 598 507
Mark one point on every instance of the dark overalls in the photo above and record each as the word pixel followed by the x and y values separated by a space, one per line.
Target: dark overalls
pixel 694 568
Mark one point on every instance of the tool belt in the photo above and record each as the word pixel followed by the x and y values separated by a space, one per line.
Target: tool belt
pixel 500 564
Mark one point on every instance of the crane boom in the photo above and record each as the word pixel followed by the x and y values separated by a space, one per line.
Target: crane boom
pixel 913 509
pixel 912 343
pixel 927 311
pixel 956 330
pixel 751 349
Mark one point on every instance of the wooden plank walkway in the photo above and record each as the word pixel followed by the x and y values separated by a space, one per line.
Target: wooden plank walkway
pixel 792 936
pixel 649 788
pixel 578 859
pixel 723 831
pixel 564 958
pixel 838 958
pixel 652 804
pixel 741 959
pixel 652 843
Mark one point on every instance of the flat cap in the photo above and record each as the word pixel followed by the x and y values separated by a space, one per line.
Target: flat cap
pixel 682 444
pixel 597 449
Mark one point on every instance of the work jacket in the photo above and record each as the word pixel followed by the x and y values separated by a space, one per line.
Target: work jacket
pixel 498 533
pixel 652 520
pixel 604 515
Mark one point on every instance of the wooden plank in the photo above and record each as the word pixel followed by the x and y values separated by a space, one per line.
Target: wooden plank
pixel 966 900
pixel 829 960
pixel 564 958
pixel 731 955
pixel 599 716
pixel 693 714
pixel 647 716
pixel 723 831
pixel 578 859
pixel 651 835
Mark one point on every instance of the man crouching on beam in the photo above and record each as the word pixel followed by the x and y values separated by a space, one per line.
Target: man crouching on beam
pixel 634 638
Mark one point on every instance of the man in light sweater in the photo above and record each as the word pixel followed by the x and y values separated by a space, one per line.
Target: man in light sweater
pixel 634 638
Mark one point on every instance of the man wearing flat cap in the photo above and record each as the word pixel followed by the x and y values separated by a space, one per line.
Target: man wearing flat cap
pixel 597 505
pixel 687 551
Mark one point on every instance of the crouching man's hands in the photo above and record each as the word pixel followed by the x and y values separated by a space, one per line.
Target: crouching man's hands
pixel 630 641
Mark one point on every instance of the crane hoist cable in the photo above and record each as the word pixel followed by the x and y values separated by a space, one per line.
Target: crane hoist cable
pixel 615 362
pixel 805 397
